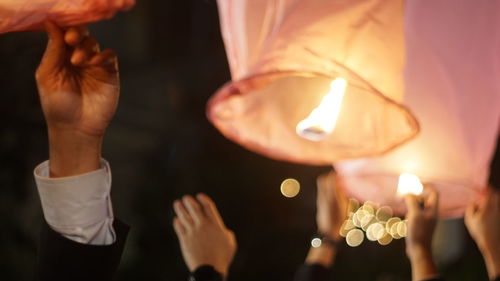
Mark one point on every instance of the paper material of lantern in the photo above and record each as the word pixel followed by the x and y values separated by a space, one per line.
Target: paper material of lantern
pixel 21 15
pixel 283 56
pixel 452 86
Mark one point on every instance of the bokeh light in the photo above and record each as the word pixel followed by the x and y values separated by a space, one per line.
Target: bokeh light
pixel 346 226
pixel 316 242
pixel 384 213
pixel 377 223
pixel 290 188
pixel 354 237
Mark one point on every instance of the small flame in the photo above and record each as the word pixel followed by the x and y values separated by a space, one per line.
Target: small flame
pixel 322 120
pixel 409 184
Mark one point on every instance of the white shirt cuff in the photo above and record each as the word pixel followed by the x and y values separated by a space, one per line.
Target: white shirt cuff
pixel 78 207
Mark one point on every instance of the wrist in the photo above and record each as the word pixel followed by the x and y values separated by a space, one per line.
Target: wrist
pixel 491 257
pixel 422 263
pixel 416 252
pixel 72 153
pixel 322 251
pixel 322 255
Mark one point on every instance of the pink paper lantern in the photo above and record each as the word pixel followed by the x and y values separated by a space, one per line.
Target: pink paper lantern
pixel 284 54
pixel 452 79
pixel 21 15
pixel 437 59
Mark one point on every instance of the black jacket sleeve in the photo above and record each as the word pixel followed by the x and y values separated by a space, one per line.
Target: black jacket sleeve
pixel 60 258
pixel 311 272
pixel 205 273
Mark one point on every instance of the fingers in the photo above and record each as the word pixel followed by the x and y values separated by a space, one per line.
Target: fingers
pixel 180 230
pixel 210 209
pixel 75 35
pixel 193 208
pixel 432 200
pixel 326 180
pixel 471 211
pixel 342 200
pixel 55 52
pixel 106 58
pixel 182 214
pixel 84 52
pixel 412 203
pixel 492 200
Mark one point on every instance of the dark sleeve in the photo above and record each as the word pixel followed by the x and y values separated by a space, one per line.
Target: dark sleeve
pixel 206 273
pixel 60 258
pixel 497 279
pixel 311 272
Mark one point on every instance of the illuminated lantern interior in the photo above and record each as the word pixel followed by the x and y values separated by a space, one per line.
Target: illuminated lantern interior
pixel 409 184
pixel 283 57
pixel 322 120
pixel 21 15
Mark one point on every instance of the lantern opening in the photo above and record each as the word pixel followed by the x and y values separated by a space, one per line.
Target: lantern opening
pixel 283 60
pixel 322 120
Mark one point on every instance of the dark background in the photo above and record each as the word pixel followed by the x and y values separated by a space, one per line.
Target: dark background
pixel 161 146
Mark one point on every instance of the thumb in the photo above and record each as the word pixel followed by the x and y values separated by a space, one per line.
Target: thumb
pixel 55 52
pixel 470 212
pixel 412 203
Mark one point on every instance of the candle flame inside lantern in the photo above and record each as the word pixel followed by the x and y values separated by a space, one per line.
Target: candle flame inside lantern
pixel 409 184
pixel 322 120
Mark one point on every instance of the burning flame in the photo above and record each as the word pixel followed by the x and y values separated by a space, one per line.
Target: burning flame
pixel 322 120
pixel 409 184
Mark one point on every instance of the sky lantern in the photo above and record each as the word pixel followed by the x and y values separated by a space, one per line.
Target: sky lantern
pixel 313 81
pixel 391 94
pixel 452 85
pixel 21 15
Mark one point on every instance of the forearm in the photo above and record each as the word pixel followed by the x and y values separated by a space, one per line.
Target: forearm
pixel 422 264
pixel 491 257
pixel 73 153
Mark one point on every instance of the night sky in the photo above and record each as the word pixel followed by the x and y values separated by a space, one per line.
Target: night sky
pixel 161 146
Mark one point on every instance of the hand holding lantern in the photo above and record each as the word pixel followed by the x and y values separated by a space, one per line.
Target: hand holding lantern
pixel 483 222
pixel 422 217
pixel 78 87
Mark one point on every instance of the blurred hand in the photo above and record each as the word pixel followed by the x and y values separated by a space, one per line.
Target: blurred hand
pixel 203 237
pixel 78 87
pixel 422 217
pixel 331 212
pixel 331 206
pixel 483 222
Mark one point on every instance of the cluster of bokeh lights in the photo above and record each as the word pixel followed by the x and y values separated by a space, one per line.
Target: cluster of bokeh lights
pixel 378 224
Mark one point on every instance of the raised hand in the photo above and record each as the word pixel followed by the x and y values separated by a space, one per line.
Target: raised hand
pixel 78 87
pixel 331 211
pixel 482 219
pixel 331 206
pixel 203 237
pixel 422 217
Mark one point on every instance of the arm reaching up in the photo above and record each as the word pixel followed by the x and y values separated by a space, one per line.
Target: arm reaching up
pixel 78 88
pixel 422 217
pixel 331 212
pixel 483 222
